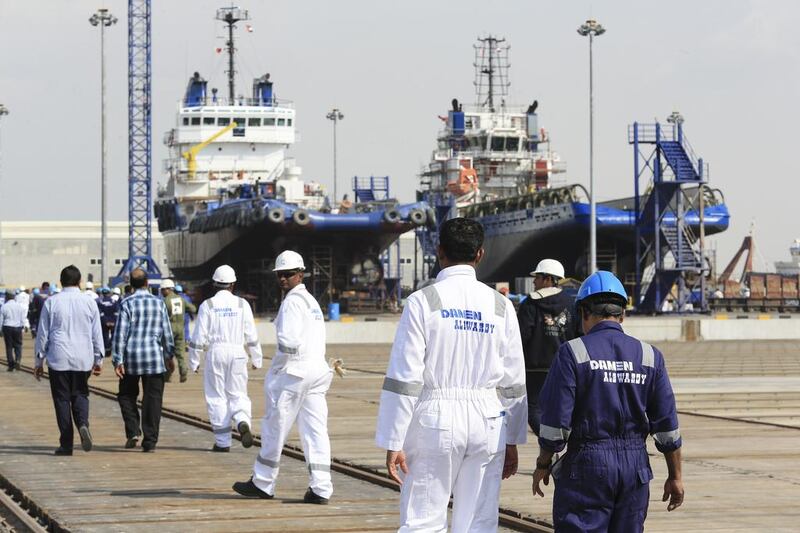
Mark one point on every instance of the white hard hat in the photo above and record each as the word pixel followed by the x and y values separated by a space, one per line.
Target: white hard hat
pixel 549 267
pixel 22 287
pixel 116 291
pixel 224 274
pixel 289 260
pixel 167 284
pixel 89 285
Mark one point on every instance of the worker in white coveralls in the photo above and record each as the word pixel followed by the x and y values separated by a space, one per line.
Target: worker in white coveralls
pixel 295 388
pixel 453 406
pixel 224 329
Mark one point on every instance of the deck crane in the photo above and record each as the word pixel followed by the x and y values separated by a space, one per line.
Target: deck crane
pixel 190 155
pixel 140 199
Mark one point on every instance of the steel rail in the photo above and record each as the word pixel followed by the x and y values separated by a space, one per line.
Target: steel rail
pixel 26 511
pixel 508 518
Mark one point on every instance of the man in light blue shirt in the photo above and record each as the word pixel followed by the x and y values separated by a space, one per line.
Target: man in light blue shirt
pixel 69 337
pixel 12 320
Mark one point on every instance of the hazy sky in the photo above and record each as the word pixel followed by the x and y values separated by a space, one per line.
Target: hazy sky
pixel 729 66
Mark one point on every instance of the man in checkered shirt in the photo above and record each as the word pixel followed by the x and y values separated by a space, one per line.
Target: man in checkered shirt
pixel 142 342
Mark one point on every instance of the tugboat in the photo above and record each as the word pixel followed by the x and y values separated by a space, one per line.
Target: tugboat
pixel 233 196
pixel 495 164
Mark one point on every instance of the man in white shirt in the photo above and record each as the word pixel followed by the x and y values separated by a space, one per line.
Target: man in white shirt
pixel 224 329
pixel 69 337
pixel 12 320
pixel 453 407
pixel 295 388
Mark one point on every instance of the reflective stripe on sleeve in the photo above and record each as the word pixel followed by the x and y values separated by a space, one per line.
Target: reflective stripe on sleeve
pixel 241 303
pixel 554 434
pixel 267 462
pixel 667 438
pixel 579 350
pixel 287 349
pixel 252 344
pixel 210 303
pixel 432 296
pixel 514 391
pixel 499 304
pixel 401 387
pixel 194 346
pixel 221 431
pixel 318 467
pixel 648 356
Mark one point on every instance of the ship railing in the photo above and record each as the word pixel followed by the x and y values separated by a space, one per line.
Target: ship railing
pixel 223 101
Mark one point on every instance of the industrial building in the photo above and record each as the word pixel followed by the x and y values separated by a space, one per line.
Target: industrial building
pixel 35 251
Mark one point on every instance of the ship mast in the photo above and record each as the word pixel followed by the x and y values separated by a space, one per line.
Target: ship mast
pixel 491 71
pixel 230 16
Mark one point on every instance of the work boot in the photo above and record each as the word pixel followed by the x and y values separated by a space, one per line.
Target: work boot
pixel 86 438
pixel 17 366
pixel 131 443
pixel 244 431
pixel 10 368
pixel 62 451
pixel 248 489
pixel 184 378
pixel 221 449
pixel 313 497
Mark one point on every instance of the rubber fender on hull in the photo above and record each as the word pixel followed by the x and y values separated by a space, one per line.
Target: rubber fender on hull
pixel 431 217
pixel 392 216
pixel 276 215
pixel 301 218
pixel 258 214
pixel 417 217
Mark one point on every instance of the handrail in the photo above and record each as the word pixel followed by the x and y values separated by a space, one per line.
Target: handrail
pixel 222 101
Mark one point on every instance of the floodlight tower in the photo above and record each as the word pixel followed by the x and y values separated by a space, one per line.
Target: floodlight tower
pixel 3 112
pixel 592 29
pixel 335 115
pixel 103 19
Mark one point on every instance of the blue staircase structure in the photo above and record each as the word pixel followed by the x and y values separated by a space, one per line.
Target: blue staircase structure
pixel 669 255
pixel 371 189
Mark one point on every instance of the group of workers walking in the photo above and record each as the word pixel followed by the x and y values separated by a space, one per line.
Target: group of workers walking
pixel 467 376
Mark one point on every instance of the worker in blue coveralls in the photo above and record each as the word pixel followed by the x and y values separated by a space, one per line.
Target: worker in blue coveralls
pixel 605 392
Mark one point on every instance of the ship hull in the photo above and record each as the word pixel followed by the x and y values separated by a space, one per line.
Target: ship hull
pixel 517 240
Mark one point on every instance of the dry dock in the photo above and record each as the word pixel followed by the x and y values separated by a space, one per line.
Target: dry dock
pixel 740 417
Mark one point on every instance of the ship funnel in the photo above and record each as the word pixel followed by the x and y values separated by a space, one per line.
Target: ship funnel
pixel 195 91
pixel 262 91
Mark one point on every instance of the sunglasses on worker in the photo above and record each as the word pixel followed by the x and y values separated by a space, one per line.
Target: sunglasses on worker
pixel 286 273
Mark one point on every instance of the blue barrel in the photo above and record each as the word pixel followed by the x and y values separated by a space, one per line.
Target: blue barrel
pixel 333 311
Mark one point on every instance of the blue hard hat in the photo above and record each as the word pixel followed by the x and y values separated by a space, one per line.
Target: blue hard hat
pixel 178 288
pixel 602 282
pixel 36 291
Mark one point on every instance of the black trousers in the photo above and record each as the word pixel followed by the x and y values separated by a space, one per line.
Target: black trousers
pixel 13 338
pixel 152 396
pixel 70 391
pixel 534 382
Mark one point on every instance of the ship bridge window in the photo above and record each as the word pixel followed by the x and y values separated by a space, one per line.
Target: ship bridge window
pixel 195 121
pixel 498 144
pixel 240 122
pixel 288 122
pixel 281 122
pixel 253 121
pixel 223 121
pixel 512 144
pixel 269 121
pixel 209 121
pixel 185 121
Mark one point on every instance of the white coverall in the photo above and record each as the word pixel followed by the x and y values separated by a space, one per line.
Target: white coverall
pixel 224 327
pixel 295 388
pixel 24 299
pixel 453 397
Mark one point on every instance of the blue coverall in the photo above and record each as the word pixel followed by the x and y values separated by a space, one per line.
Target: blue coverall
pixel 604 394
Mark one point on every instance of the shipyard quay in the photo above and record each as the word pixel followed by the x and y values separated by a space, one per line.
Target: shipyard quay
pixel 399 267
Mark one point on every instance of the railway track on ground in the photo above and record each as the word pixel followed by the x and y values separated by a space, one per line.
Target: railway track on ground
pixel 18 513
pixel 508 518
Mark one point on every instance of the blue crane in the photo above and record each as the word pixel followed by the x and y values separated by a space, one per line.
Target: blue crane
pixel 140 200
